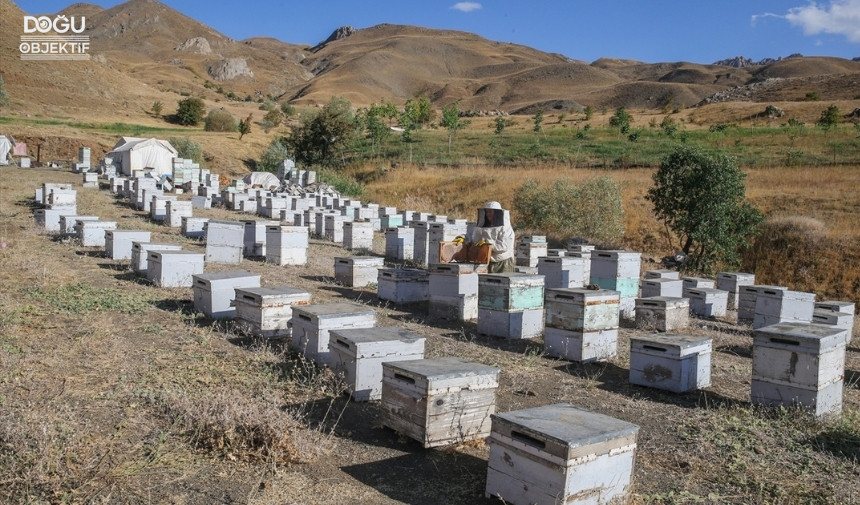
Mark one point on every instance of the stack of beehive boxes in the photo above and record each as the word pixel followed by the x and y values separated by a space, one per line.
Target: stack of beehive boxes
pixel 510 305
pixel 582 324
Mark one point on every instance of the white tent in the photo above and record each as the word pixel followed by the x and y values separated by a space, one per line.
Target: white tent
pixel 265 180
pixel 134 153
pixel 5 147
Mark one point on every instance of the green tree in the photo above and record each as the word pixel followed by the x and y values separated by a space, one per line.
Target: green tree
pixel 219 120
pixel 589 112
pixel 621 120
pixel 190 111
pixel 418 111
pixel 187 148
pixel 272 119
pixel 288 110
pixel 324 134
pixel 157 108
pixel 452 122
pixel 272 157
pixel 501 123
pixel 701 198
pixel 537 119
pixel 376 129
pixel 4 96
pixel 245 126
pixel 829 118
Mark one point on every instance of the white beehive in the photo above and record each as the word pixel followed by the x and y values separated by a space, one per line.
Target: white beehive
pixel 400 243
pixel 61 199
pixel 732 282
pixel 158 206
pixel 175 210
pixel 581 324
pixel 453 290
pixel 618 271
pixel 268 311
pixel 747 299
pixel 194 227
pixel 662 313
pixel 420 250
pixel 118 242
pixel 92 233
pixel 201 202
pixel 274 205
pixel 357 271
pixel 402 285
pixel 510 305
pixel 286 245
pixel 140 253
pixel 214 292
pixel 312 323
pixel 49 219
pixel 334 227
pixel 677 363
pixel 357 235
pixel 652 287
pixel 173 269
pixel 774 306
pixel 439 232
pixel 562 271
pixel 90 180
pixel 799 363
pixel 689 283
pixel 837 313
pixel 42 192
pixel 249 206
pixel 358 354
pixel 225 241
pixel 708 302
pixel 560 455
pixel 439 401
pixel 254 237
pixel 529 249
pixel 67 224
pixel 662 274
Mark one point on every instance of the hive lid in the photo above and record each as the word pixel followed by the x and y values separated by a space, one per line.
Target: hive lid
pixel 328 309
pixel 435 369
pixel 802 337
pixel 359 336
pixel 671 344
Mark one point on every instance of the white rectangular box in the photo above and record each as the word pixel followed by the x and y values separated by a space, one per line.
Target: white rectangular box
pixel 421 247
pixel 528 253
pixel 453 291
pixel 140 253
pixel 254 237
pixel 581 346
pixel 782 306
pixel 836 306
pixel 732 282
pixel 662 274
pixel 358 354
pixel 403 285
pixel 512 324
pixel 358 235
pixel 560 455
pixel 799 363
pixel 173 269
pixel 42 193
pixel 67 224
pixel 580 309
pixel 92 233
pixel 617 264
pixel 357 271
pixel 194 227
pixel 747 300
pixel 49 219
pixel 118 242
pixel 400 243
pixel 61 198
pixel 662 313
pixel 439 401
pixel 312 323
pixel 286 245
pixel 663 286
pixel 214 292
pixel 229 233
pixel 510 291
pixel 334 227
pixel 268 311
pixel 563 271
pixel 175 211
pixel 677 363
pixel 158 206
pixel 708 302
pixel 689 283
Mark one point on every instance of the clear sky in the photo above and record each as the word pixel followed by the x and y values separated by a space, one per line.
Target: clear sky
pixel 701 31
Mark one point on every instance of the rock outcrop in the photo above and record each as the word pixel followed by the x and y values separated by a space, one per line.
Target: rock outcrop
pixel 230 68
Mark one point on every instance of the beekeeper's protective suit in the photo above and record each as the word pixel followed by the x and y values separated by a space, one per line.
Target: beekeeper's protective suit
pixel 494 228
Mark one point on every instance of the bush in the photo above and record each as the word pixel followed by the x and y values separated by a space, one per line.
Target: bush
pixel 187 148
pixel 190 111
pixel 592 211
pixel 273 156
pixel 220 120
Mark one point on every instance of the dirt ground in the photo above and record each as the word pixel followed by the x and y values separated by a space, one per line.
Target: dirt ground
pixel 115 391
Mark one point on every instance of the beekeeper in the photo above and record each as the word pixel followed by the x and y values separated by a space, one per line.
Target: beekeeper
pixel 494 228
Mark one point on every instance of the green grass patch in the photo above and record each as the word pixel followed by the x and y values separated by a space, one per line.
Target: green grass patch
pixel 80 298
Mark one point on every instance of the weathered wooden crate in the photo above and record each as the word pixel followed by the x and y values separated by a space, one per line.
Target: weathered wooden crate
pixel 528 252
pixel 662 273
pixel 61 199
pixel 774 306
pixel 439 401
pixel 677 363
pixel 403 285
pixel 420 250
pixel 92 233
pixel 661 286
pixel 286 245
pixel 359 354
pixel 583 310
pixel 560 455
pixel 841 320
pixel 453 290
pixel 268 311
pixel 662 313
pixel 510 291
pixel 158 206
pixel 175 211
pixel 615 264
pixel 118 242
pixel 254 237
pixel 799 363
pixel 581 346
pixel 689 283
pixel 49 219
pixel 357 271
pixel 173 269
pixel 194 227
pixel 358 235
pixel 334 227
pixel 400 243
pixel 512 324
pixel 747 299
pixel 708 302
pixel 140 253
pixel 227 233
pixel 312 323
pixel 562 271
pixel 67 224
pixel 732 282
pixel 214 292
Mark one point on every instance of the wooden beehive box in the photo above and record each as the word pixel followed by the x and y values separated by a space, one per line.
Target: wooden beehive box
pixel 118 242
pixel 267 311
pixel 677 363
pixel 139 253
pixel 453 290
pixel 662 313
pixel 563 271
pixel 92 233
pixel 403 285
pixel 312 323
pixel 581 346
pixel 689 283
pixel 214 292
pixel 357 271
pixel 579 309
pixel 510 291
pixel 194 227
pixel 358 235
pixel 173 269
pixel 732 282
pixel 661 286
pixel 799 363
pixel 286 245
pixel 708 302
pixel 439 401
pixel 662 273
pixel 399 243
pixel 560 455
pixel 175 211
pixel 452 252
pixel 359 354
pixel 774 306
pixel 747 300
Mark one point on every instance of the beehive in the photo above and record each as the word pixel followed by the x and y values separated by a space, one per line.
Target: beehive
pixel 649 288
pixel 92 233
pixel 562 271
pixel 194 227
pixel 118 242
pixel 420 249
pixel 158 206
pixel 799 363
pixel 358 354
pixel 175 211
pixel 400 243
pixel 312 323
pixel 140 253
pixel 747 300
pixel 708 302
pixel 662 313
pixel 254 237
pixel 581 325
pixel 689 283
pixel 774 306
pixel 402 285
pixel 837 313
pixel 453 290
pixel 358 235
pixel 662 273
pixel 268 311
pixel 286 245
pixel 334 227
pixel 732 282
pixel 357 271
pixel 390 221
pixel 530 249
pixel 510 305
pixel 224 241
pixel 214 292
pixel 67 224
pixel 439 401
pixel 560 455
pixel 677 363
pixel 173 269
pixel 439 232
pixel 618 271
